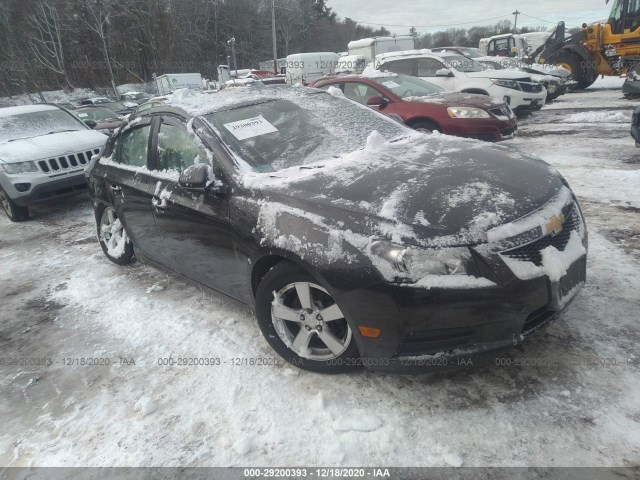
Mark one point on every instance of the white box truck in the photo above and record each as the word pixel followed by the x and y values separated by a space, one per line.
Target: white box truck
pixel 370 47
pixel 304 68
pixel 173 81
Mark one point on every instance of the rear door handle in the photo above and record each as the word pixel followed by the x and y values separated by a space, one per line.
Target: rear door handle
pixel 115 188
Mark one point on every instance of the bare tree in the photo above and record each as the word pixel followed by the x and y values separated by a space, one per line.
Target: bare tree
pixel 97 17
pixel 46 44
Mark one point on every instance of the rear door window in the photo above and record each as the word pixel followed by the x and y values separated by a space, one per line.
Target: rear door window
pixel 360 92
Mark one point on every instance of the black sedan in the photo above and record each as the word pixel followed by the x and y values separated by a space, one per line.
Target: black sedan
pixel 357 241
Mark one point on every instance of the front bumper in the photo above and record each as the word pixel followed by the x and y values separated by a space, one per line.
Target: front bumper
pixel 438 329
pixel 631 87
pixel 518 100
pixel 442 328
pixel 492 129
pixel 43 189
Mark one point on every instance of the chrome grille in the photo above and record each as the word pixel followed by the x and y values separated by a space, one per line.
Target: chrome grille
pixel 531 252
pixel 531 87
pixel 67 163
pixel 501 111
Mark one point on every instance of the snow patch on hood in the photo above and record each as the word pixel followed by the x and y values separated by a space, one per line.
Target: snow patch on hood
pixel 50 146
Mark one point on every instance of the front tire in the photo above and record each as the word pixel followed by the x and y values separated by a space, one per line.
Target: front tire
pixel 581 73
pixel 302 322
pixel 15 212
pixel 113 238
pixel 425 126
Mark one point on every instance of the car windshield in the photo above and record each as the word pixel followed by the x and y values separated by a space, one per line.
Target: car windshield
pixel 97 114
pixel 278 133
pixel 462 64
pixel 115 106
pixel 404 86
pixel 34 124
pixel 471 52
pixel 492 65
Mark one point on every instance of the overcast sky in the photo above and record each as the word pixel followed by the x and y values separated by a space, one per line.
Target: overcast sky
pixel 427 13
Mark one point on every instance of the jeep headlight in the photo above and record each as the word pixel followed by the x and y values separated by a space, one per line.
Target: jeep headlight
pixel 21 167
pixel 506 83
pixel 466 112
pixel 414 263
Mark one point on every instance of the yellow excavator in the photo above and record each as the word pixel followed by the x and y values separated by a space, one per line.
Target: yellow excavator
pixel 610 49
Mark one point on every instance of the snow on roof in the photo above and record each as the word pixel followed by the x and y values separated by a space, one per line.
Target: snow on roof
pixel 405 53
pixel 10 111
pixel 378 74
pixel 367 42
pixel 202 104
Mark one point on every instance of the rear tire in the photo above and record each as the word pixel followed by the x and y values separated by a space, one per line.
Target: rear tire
pixel 581 73
pixel 425 126
pixel 16 213
pixel 302 322
pixel 113 238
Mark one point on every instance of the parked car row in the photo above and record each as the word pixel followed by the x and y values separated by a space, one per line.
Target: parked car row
pixel 458 73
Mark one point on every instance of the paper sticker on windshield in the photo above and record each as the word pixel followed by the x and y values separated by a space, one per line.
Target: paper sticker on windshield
pixel 249 128
pixel 390 84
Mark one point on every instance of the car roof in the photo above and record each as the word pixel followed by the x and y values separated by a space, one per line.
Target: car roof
pixel 353 77
pixel 92 107
pixel 202 103
pixel 407 54
pixel 22 109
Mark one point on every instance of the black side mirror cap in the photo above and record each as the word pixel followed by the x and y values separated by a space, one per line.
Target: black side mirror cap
pixel 90 123
pixel 200 178
pixel 380 102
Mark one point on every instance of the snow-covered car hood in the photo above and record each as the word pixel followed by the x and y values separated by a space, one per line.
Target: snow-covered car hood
pixel 501 74
pixel 56 144
pixel 430 190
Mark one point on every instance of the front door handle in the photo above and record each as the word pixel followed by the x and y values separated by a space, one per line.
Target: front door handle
pixel 115 188
pixel 159 204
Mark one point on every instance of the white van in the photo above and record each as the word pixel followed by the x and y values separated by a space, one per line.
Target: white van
pixel 369 48
pixel 304 68
pixel 173 81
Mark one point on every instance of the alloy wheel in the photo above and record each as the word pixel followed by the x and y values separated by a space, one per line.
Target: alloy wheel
pixel 309 322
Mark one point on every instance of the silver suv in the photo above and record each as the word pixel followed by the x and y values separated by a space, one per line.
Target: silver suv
pixel 43 152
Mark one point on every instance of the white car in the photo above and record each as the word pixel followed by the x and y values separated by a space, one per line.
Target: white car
pixel 457 73
pixel 43 153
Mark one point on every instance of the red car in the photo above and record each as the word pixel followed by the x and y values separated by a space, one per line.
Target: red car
pixel 427 107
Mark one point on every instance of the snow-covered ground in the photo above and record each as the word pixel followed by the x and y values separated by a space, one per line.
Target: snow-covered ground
pixel 575 402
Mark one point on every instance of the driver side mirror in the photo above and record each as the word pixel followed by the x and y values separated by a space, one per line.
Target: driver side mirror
pixel 444 72
pixel 200 178
pixel 90 123
pixel 380 102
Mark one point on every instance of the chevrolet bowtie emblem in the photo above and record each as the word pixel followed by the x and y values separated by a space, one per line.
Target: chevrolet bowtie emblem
pixel 555 224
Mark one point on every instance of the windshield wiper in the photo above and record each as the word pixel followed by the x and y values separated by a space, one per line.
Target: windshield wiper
pixel 62 131
pixel 49 133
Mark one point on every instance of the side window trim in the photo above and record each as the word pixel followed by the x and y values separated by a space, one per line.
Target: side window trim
pixel 118 141
pixel 176 121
